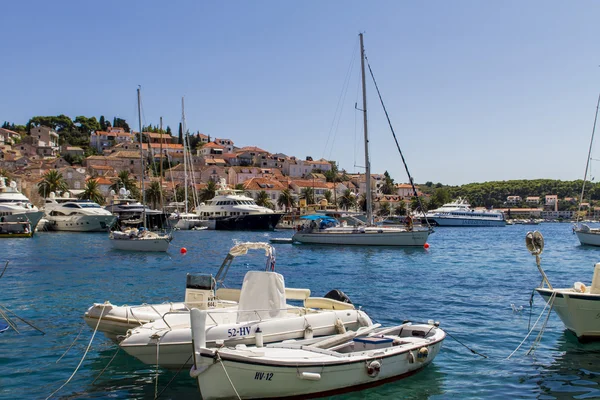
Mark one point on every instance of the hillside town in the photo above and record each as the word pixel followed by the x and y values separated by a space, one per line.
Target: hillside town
pixel 310 183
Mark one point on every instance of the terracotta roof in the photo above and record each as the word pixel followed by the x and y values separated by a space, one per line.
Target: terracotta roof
pixel 213 145
pixel 303 183
pixel 263 184
pixel 166 146
pixel 125 154
pixel 251 149
pixel 103 181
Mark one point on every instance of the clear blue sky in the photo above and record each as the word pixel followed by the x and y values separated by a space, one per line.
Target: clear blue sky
pixel 476 90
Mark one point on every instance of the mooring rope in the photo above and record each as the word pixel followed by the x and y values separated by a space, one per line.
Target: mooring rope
pixel 104 369
pixel 538 339
pixel 82 358
pixel 227 375
pixel 466 347
pixel 69 348
pixel 174 376
pixel 156 375
pixel 19 318
pixel 533 327
pixel 8 320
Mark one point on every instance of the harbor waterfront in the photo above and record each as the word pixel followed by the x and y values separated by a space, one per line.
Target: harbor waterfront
pixel 468 280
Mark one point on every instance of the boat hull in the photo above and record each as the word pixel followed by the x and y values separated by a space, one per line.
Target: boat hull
pixel 465 222
pixel 175 344
pixel 579 312
pixel 379 237
pixel 141 244
pixel 81 223
pixel 589 238
pixel 254 378
pixel 34 217
pixel 249 222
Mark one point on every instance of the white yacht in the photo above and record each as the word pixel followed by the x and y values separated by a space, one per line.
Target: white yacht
pixel 67 213
pixel 460 213
pixel 230 210
pixel 15 206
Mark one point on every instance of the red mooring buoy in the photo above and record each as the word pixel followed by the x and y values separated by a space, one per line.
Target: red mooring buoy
pixel 183 250
pixel 426 245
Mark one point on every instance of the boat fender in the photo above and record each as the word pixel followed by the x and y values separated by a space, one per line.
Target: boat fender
pixel 373 368
pixel 308 332
pixel 580 287
pixel 339 326
pixel 310 376
pixel 258 336
pixel 422 354
pixel 411 357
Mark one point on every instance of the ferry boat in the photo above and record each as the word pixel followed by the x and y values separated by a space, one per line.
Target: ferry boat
pixel 231 209
pixel 460 213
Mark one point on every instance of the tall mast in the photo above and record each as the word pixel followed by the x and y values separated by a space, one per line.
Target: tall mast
pixel 139 98
pixel 184 154
pixel 161 164
pixel 364 110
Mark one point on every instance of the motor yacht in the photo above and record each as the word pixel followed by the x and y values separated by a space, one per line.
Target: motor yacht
pixel 15 206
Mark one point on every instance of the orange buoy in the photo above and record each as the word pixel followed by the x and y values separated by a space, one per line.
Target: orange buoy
pixel 183 250
pixel 426 245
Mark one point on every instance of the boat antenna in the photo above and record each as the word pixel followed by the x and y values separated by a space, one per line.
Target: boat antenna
pixel 364 111
pixel 387 116
pixel 587 164
pixel 139 98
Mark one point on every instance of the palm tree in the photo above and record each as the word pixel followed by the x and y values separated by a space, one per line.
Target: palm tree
pixel 328 196
pixel 154 193
pixel 52 181
pixel 263 200
pixel 286 200
pixel 347 200
pixel 5 173
pixel 400 208
pixel 125 181
pixel 385 209
pixel 209 191
pixel 309 194
pixel 92 192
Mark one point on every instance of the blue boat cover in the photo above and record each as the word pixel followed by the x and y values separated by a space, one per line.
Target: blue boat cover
pixel 3 326
pixel 315 217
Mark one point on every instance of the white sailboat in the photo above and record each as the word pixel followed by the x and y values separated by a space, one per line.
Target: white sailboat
pixel 186 220
pixel 369 235
pixel 140 239
pixel 586 234
pixel 579 306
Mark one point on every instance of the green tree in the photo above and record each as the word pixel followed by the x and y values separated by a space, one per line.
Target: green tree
pixel 388 186
pixel 92 192
pixel 400 208
pixel 286 200
pixel 385 209
pixel 263 200
pixel 121 123
pixel 328 195
pixel 124 180
pixel 347 200
pixel 102 122
pixel 209 191
pixel 154 194
pixel 309 194
pixel 52 181
pixel 87 125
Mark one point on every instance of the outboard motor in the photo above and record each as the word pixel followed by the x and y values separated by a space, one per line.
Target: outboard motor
pixel 200 291
pixel 338 295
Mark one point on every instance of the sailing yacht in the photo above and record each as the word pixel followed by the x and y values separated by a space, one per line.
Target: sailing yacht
pixel 585 234
pixel 140 239
pixel 332 232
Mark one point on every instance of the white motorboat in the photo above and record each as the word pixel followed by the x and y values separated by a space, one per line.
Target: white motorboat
pixel 231 209
pixel 261 304
pixel 327 230
pixel 15 206
pixel 67 213
pixel 306 369
pixel 460 213
pixel 370 235
pixel 579 306
pixel 586 235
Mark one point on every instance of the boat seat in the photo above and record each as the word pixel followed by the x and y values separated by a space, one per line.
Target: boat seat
pixel 327 304
pixel 290 294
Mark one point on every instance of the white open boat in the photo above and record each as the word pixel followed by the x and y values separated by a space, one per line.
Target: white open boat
pixel 139 240
pixel 307 369
pixel 579 306
pixel 586 235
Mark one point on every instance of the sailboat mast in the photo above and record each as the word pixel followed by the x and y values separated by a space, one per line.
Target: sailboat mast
pixel 184 154
pixel 589 158
pixel 364 110
pixel 161 165
pixel 139 98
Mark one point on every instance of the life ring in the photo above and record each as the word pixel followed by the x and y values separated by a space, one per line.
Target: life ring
pixel 373 368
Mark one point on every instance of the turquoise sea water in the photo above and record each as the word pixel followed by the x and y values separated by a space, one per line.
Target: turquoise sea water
pixel 467 280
